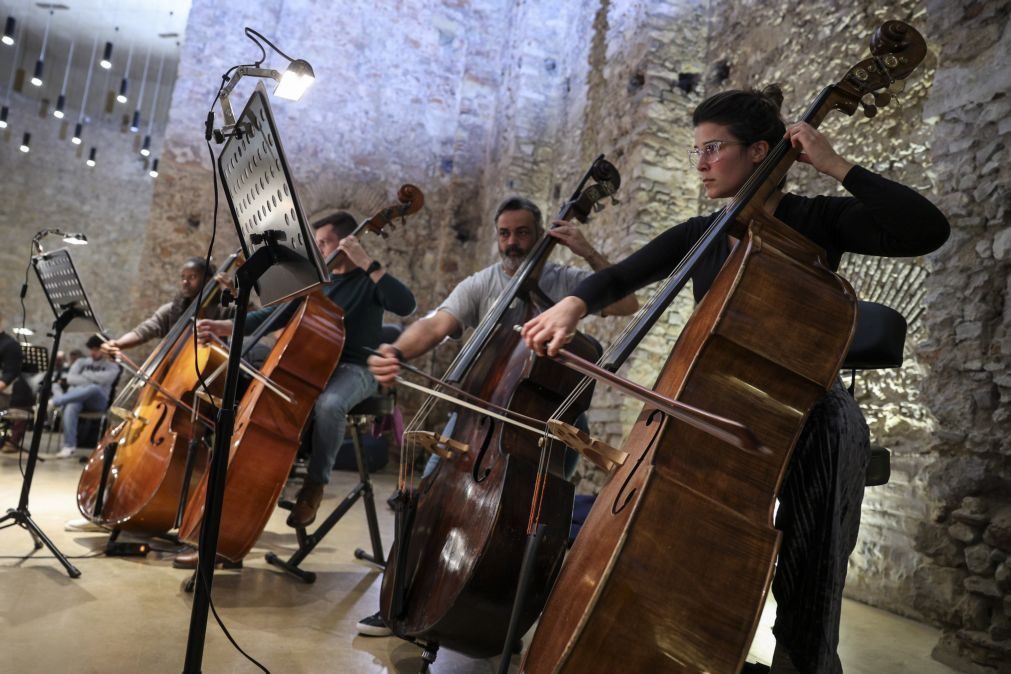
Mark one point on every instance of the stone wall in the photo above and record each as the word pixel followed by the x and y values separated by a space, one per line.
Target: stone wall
pixel 377 117
pixel 966 586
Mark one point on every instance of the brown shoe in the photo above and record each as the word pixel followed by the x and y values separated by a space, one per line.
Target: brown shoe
pixel 188 560
pixel 10 448
pixel 303 513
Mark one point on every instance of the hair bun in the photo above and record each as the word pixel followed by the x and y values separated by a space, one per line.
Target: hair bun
pixel 774 94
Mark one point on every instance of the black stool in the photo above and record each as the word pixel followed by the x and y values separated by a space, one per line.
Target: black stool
pixel 360 416
pixel 877 344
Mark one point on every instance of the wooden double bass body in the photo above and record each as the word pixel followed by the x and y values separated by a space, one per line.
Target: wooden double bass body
pixel 144 477
pixel 670 571
pixel 678 551
pixel 464 552
pixel 456 569
pixel 268 428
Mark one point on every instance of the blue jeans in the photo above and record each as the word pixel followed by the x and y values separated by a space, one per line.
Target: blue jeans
pixel 89 398
pixel 349 385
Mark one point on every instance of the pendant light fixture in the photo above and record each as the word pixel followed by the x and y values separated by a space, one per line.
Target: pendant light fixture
pixel 135 120
pixel 79 127
pixel 61 100
pixel 9 28
pixel 145 148
pixel 106 61
pixel 124 84
pixel 5 109
pixel 40 64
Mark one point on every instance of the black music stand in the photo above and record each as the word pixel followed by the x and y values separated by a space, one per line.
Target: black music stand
pixel 282 263
pixel 62 285
pixel 34 359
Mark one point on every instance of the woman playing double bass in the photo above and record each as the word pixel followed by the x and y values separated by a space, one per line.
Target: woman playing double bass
pixel 364 290
pixel 819 512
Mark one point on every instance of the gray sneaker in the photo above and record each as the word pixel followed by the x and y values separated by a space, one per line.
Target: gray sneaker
pixel 82 524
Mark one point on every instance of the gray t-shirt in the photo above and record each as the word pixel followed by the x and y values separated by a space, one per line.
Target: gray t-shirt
pixel 474 296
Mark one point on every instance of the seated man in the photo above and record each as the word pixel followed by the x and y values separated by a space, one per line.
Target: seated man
pixel 14 393
pixel 90 380
pixel 364 290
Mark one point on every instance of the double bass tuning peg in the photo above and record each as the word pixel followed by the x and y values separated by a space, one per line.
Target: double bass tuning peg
pixel 882 99
pixel 870 110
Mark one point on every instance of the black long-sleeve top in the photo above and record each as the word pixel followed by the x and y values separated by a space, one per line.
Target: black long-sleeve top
pixel 881 218
pixel 10 358
pixel 363 302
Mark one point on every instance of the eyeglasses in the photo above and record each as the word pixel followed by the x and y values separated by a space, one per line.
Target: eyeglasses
pixel 710 151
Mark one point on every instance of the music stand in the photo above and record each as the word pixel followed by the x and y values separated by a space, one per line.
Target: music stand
pixel 34 359
pixel 282 263
pixel 62 285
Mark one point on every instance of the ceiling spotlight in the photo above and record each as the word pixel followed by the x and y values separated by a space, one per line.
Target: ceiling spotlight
pixel 91 157
pixel 8 38
pixel 122 90
pixel 3 117
pixel 61 101
pixel 106 61
pixel 154 169
pixel 78 130
pixel 135 122
pixel 23 331
pixel 37 78
pixel 26 142
pixel 145 149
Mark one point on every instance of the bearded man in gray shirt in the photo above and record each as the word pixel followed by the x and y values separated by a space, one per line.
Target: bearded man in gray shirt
pixel 518 224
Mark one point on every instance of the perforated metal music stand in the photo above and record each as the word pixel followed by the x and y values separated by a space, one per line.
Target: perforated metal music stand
pixel 265 207
pixel 282 263
pixel 62 286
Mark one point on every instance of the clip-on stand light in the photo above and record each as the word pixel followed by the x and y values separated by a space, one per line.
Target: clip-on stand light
pixel 282 263
pixel 58 278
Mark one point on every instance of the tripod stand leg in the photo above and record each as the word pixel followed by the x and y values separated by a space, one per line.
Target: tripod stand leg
pixel 21 516
pixel 370 503
pixel 24 520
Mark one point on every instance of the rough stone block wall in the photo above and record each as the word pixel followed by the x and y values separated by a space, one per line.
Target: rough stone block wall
pixel 965 585
pixel 399 97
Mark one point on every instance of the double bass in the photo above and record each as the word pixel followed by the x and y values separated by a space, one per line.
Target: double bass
pixel 671 569
pixel 134 480
pixel 268 427
pixel 455 559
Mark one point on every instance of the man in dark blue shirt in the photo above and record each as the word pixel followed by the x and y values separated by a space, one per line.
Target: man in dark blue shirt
pixel 364 290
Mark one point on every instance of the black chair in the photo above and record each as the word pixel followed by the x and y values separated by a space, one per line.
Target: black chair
pixel 877 344
pixel 359 417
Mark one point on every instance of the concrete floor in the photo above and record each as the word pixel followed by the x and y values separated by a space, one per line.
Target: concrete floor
pixel 131 614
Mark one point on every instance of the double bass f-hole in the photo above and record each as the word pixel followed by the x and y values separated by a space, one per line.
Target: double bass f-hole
pixel 155 432
pixel 479 475
pixel 615 507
